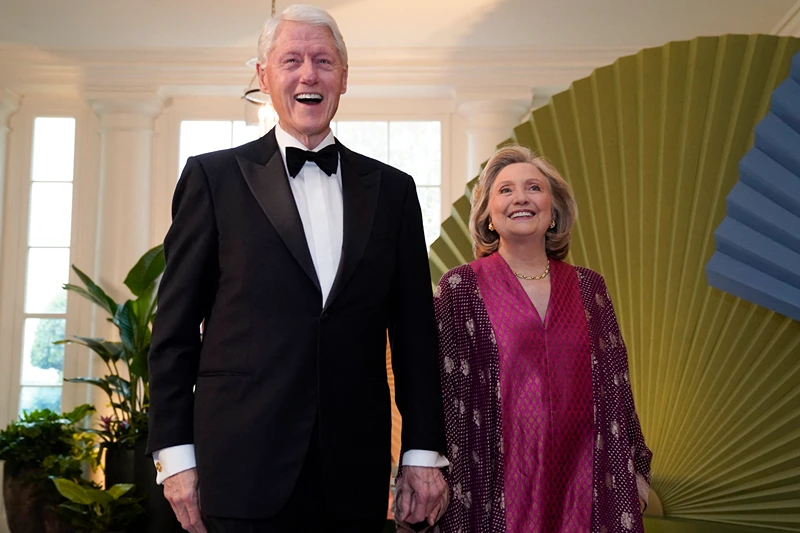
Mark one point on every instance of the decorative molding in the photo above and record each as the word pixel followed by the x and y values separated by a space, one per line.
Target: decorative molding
pixel 389 72
pixel 789 24
pixel 498 96
pixel 126 110
pixel 9 103
pixel 109 101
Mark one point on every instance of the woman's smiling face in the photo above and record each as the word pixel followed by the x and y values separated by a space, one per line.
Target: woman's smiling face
pixel 521 206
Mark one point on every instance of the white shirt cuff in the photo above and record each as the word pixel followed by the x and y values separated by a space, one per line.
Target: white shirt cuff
pixel 173 460
pixel 425 458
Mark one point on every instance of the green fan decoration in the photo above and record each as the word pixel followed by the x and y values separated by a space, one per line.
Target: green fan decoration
pixel 651 146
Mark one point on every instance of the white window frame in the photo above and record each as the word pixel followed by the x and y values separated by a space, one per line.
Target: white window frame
pixel 80 315
pixel 167 146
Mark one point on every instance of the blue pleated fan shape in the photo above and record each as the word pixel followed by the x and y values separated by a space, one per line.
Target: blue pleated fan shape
pixel 757 255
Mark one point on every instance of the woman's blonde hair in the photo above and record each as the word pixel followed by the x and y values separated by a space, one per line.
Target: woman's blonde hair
pixel 486 242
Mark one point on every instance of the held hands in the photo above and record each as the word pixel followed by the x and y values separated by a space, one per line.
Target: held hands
pixel 183 495
pixel 421 495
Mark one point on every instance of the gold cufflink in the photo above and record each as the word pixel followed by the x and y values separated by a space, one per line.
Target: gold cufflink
pixel 158 466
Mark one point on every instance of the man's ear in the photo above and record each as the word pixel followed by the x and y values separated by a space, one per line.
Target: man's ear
pixel 261 74
pixel 344 80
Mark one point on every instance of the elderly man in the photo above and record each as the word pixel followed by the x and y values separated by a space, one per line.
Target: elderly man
pixel 297 254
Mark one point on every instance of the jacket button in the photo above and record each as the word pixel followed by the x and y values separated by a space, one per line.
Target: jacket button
pixel 326 317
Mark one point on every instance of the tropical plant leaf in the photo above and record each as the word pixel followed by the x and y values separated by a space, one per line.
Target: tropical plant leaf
pixel 86 294
pixel 125 320
pixel 97 294
pixel 145 305
pixel 72 491
pixel 146 271
pixel 75 507
pixel 108 351
pixel 80 412
pixel 138 366
pixel 97 382
pixel 100 496
pixel 118 490
pixel 120 386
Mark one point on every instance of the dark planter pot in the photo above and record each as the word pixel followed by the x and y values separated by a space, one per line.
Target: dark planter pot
pixel 30 499
pixel 133 466
pixel 120 465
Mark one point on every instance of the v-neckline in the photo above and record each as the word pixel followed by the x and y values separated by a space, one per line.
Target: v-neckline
pixel 520 290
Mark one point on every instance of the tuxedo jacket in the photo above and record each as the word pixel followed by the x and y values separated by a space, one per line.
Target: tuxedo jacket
pixel 273 361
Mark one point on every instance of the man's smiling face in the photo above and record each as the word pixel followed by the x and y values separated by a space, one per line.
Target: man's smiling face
pixel 305 77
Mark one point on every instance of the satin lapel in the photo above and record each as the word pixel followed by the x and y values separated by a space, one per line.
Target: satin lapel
pixel 270 186
pixel 359 199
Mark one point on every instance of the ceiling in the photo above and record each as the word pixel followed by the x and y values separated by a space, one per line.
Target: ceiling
pixel 384 24
pixel 199 47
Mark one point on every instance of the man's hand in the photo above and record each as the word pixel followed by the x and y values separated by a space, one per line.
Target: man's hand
pixel 183 495
pixel 421 495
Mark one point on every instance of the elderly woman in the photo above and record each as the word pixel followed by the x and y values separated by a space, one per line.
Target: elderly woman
pixel 542 432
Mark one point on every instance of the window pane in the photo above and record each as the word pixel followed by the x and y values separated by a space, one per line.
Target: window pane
pixel 242 133
pixel 53 149
pixel 40 398
pixel 48 270
pixel 368 138
pixel 430 199
pixel 51 214
pixel 416 148
pixel 43 361
pixel 201 136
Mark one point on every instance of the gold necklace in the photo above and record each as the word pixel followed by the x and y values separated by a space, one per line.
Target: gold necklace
pixel 532 278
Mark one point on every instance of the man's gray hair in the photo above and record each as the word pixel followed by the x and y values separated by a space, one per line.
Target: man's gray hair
pixel 299 13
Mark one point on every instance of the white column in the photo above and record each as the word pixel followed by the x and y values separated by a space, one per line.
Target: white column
pixel 123 233
pixel 9 103
pixel 490 116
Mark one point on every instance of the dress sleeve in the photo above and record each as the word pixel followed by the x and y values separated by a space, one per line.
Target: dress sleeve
pixel 641 453
pixel 448 356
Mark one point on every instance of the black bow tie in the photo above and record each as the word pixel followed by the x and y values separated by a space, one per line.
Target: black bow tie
pixel 326 159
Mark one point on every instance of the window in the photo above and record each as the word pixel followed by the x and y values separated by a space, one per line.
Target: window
pixel 414 147
pixel 48 251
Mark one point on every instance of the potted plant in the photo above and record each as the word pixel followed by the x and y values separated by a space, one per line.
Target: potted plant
pixel 126 382
pixel 97 511
pixel 123 434
pixel 42 443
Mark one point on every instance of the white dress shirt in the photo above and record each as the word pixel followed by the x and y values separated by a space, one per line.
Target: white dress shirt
pixel 319 202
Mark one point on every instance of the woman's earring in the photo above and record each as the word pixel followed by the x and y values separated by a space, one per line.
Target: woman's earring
pixel 552 224
pixel 491 226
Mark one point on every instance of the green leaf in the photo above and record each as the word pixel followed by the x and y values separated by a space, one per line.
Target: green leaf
pixel 99 496
pixel 98 295
pixel 145 305
pixel 97 382
pixel 80 412
pixel 108 351
pixel 72 491
pixel 120 386
pixel 77 508
pixel 125 320
pixel 118 490
pixel 146 271
pixel 138 366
